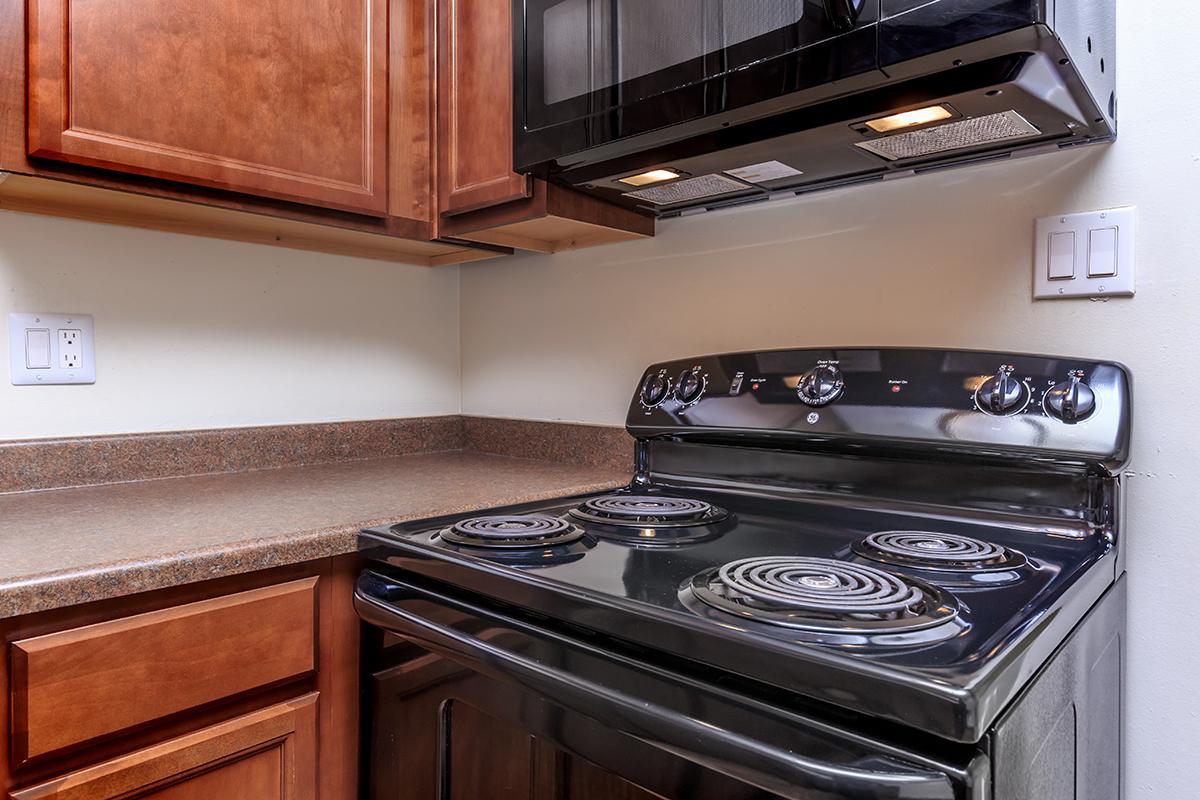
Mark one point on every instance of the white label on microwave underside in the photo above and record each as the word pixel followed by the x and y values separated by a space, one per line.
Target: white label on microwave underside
pixel 766 171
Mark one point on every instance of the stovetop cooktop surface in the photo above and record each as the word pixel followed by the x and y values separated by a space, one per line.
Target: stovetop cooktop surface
pixel 951 606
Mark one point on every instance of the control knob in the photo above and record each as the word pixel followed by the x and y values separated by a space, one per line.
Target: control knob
pixel 821 385
pixel 654 390
pixel 1071 401
pixel 691 386
pixel 1002 394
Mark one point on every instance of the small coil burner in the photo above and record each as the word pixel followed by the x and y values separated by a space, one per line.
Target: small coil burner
pixel 651 520
pixel 945 552
pixel 819 594
pixel 648 511
pixel 515 531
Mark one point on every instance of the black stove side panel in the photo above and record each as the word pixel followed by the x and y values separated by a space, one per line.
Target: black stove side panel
pixel 1062 738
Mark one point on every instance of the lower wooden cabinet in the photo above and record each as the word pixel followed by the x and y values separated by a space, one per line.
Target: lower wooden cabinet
pixel 269 754
pixel 76 685
pixel 240 688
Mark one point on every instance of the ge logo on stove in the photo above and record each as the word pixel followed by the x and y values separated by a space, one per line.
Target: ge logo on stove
pixel 813 417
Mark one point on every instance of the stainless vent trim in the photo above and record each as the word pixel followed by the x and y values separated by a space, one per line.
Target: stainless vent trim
pixel 957 135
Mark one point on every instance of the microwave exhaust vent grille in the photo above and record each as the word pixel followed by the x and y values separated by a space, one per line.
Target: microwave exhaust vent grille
pixel 686 191
pixel 993 128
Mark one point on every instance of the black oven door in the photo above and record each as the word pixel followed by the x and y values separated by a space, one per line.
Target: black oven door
pixel 468 701
pixel 589 72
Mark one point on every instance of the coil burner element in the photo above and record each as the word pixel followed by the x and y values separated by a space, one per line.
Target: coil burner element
pixel 938 551
pixel 511 531
pixel 648 511
pixel 823 594
pixel 651 520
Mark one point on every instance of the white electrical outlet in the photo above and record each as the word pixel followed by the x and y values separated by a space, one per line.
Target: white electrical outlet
pixel 51 349
pixel 70 348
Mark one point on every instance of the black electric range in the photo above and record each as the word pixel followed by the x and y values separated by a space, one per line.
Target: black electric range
pixel 834 573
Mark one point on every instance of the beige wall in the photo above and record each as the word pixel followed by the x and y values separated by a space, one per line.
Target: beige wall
pixel 940 260
pixel 197 333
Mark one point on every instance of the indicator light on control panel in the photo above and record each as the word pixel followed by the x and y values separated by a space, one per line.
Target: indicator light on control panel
pixel 895 389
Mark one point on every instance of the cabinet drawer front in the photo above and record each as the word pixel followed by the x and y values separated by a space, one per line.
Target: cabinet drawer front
pixel 274 97
pixel 265 755
pixel 77 685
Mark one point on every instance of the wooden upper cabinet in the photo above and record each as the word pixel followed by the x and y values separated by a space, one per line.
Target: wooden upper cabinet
pixel 475 151
pixel 280 98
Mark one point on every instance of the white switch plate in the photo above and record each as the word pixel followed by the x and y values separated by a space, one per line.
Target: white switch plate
pixel 1088 229
pixel 72 349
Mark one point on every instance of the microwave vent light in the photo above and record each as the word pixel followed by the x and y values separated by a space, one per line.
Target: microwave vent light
pixel 647 178
pixel 909 119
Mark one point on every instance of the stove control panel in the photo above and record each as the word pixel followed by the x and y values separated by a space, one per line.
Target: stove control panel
pixel 994 405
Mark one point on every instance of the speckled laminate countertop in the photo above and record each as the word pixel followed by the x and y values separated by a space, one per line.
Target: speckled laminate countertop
pixel 70 546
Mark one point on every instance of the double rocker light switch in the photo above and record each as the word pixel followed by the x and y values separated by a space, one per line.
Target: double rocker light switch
pixel 1084 255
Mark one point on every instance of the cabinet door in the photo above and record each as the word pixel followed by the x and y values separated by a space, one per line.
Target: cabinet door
pixel 266 755
pixel 281 98
pixel 475 106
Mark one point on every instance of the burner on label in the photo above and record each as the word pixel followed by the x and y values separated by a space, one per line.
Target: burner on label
pixel 513 531
pixel 938 551
pixel 648 511
pixel 824 595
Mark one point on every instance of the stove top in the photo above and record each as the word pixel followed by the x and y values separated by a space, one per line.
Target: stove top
pixel 925 587
pixel 945 647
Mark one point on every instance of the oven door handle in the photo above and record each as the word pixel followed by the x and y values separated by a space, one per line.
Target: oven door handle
pixel 760 764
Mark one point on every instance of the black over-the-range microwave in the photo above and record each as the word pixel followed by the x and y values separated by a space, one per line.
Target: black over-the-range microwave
pixel 670 105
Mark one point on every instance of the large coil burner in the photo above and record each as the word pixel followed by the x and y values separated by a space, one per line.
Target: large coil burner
pixel 820 594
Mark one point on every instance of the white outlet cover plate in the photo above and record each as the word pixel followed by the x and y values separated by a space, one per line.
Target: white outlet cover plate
pixel 22 375
pixel 1081 284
